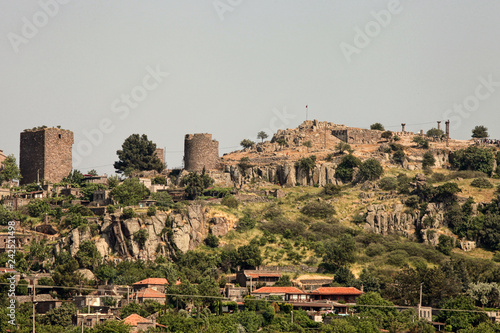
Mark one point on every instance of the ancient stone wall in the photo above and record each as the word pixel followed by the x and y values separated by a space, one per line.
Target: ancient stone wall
pixel 2 158
pixel 200 151
pixel 358 135
pixel 45 154
pixel 160 152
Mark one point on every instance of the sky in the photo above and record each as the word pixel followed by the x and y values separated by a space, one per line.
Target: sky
pixel 109 69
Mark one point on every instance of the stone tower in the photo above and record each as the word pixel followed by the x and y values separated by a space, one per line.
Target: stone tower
pixel 200 151
pixel 45 154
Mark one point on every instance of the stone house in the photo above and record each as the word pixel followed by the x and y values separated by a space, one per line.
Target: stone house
pixel 148 294
pixel 89 320
pixel 138 323
pixel 252 278
pixel 96 179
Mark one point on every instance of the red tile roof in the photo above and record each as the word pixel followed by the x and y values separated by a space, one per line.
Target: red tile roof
pixel 154 281
pixel 278 290
pixel 257 275
pixel 157 281
pixel 134 318
pixel 337 291
pixel 149 293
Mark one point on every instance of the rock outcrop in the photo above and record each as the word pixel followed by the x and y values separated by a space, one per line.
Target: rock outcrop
pixel 166 233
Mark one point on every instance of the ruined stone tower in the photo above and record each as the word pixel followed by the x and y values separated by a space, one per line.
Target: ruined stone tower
pixel 45 154
pixel 200 151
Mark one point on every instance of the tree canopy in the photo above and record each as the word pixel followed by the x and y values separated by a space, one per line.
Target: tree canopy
pixel 138 154
pixel 480 132
pixel 9 169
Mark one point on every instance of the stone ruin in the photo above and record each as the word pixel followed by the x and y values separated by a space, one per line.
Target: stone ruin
pixel 201 152
pixel 45 154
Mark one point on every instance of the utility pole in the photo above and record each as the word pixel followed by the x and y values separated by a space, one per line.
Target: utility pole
pixel 291 316
pixel 420 302
pixel 128 296
pixel 34 294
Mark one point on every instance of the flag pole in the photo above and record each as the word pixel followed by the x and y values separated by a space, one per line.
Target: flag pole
pixel 307 109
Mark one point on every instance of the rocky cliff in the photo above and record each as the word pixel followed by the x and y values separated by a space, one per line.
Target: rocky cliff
pixel 167 233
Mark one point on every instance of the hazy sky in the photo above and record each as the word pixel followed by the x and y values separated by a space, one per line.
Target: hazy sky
pixel 108 69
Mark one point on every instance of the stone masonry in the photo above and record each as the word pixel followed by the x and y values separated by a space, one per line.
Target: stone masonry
pixel 200 151
pixel 45 154
pixel 358 135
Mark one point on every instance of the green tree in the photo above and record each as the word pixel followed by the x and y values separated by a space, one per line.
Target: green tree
pixel 75 177
pixel 111 326
pixel 446 244
pixel 195 183
pixel 339 252
pixel 474 158
pixel 246 143
pixel 5 215
pixel 480 132
pixel 38 207
pixel 284 281
pixel 163 200
pixel 61 316
pixel 138 154
pixel 262 135
pixel 130 192
pixel 106 273
pixel 88 256
pixel 434 132
pixel 249 256
pixel 428 160
pixel 345 170
pixel 377 126
pixel 371 169
pixel 9 169
pixel 460 319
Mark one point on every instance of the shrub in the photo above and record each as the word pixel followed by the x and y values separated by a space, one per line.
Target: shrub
pixel 396 138
pixel 397 258
pixel 151 211
pixel 159 180
pixel 387 135
pixel 128 213
pixel 306 163
pixel 481 183
pixel 163 200
pixel 388 183
pixel 412 201
pixel 345 170
pixel 438 177
pixel 141 237
pixel 375 249
pixel 428 160
pixel 307 144
pixel 212 241
pixel 421 142
pixel 343 147
pixel 316 209
pixel 111 209
pixel 281 225
pixel 230 201
pixel 399 156
pixel 446 244
pixel 371 169
pixel 332 189
pixel 246 143
pixel 246 223
pixel 377 126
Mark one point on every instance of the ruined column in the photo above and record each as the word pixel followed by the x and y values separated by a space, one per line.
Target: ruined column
pixel 403 128
pixel 421 132
pixel 447 123
pixel 439 124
